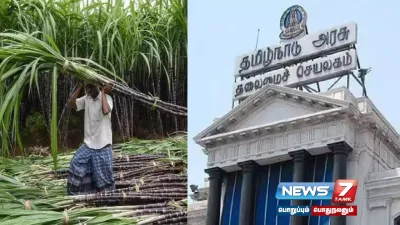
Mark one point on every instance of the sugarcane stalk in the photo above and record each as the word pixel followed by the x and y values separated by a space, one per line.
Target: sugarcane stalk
pixel 172 190
pixel 159 218
pixel 144 212
pixel 136 207
pixel 174 220
pixel 145 182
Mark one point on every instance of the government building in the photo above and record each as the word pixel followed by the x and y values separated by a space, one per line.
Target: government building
pixel 279 132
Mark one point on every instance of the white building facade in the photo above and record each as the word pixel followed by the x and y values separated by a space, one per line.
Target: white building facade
pixel 267 134
pixel 279 134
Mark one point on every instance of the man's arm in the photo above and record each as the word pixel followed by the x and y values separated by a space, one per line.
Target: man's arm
pixel 105 106
pixel 72 100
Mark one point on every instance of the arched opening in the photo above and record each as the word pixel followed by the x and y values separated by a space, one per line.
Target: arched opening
pixel 397 220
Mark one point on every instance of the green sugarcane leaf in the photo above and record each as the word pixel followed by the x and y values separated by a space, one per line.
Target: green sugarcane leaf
pixel 32 219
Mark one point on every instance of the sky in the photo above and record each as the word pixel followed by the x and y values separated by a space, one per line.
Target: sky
pixel 221 30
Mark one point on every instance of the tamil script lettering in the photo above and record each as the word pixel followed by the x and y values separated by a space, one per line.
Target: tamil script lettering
pixel 300 74
pixel 281 55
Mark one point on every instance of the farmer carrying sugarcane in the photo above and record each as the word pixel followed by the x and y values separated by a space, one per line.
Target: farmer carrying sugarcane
pixel 91 167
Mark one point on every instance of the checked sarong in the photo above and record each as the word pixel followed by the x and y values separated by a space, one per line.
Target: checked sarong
pixel 90 171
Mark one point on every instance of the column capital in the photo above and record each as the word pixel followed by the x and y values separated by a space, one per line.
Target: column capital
pixel 214 172
pixel 299 155
pixel 340 148
pixel 249 165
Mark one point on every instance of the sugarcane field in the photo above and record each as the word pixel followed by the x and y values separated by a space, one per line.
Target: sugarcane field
pixel 93 112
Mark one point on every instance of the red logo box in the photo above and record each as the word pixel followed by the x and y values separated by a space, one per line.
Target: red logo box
pixel 344 191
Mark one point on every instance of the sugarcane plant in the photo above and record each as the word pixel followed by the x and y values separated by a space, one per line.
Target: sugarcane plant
pixel 47 46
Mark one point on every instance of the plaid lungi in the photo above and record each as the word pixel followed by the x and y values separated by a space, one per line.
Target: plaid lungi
pixel 90 171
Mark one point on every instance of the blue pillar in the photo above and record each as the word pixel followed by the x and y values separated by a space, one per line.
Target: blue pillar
pixel 299 158
pixel 214 195
pixel 340 150
pixel 247 198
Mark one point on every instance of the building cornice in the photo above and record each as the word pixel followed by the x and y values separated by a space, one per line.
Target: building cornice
pixel 275 146
pixel 280 126
pixel 266 93
pixel 381 117
pixel 382 187
pixel 384 132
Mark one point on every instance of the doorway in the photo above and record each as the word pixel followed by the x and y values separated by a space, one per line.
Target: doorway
pixel 397 220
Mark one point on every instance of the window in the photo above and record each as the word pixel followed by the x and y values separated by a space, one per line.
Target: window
pixel 397 220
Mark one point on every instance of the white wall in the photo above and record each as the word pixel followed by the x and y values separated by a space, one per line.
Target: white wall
pixel 372 156
pixel 394 210
pixel 377 216
pixel 363 163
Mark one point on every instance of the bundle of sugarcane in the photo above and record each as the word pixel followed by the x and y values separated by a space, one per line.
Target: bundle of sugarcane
pixel 49 207
pixel 140 180
pixel 25 56
pixel 151 188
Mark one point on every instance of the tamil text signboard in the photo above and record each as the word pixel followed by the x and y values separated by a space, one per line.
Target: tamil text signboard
pixel 278 56
pixel 303 73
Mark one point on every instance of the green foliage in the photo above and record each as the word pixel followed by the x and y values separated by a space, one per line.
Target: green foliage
pixel 75 121
pixel 96 41
pixel 35 132
pixel 36 124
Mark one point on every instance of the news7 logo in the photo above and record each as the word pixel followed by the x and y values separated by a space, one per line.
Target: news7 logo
pixel 341 191
pixel 344 191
